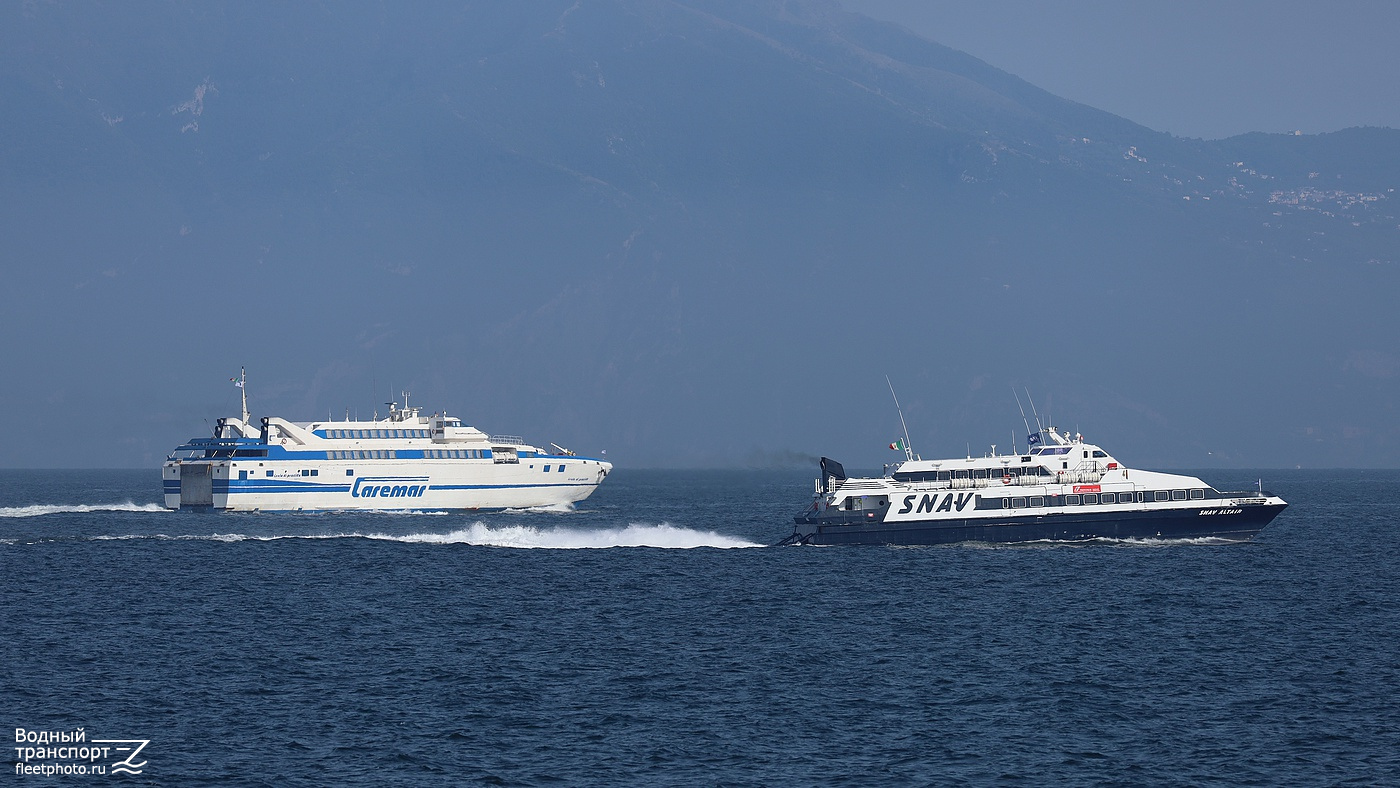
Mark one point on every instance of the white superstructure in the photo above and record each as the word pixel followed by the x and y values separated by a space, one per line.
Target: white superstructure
pixel 405 461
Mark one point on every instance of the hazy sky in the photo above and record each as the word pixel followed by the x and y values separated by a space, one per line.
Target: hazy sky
pixel 650 235
pixel 1195 68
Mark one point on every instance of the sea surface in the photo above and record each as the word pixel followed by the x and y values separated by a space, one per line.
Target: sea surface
pixel 651 637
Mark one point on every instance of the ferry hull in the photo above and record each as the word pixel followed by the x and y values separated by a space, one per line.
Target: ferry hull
pixel 1238 526
pixel 217 486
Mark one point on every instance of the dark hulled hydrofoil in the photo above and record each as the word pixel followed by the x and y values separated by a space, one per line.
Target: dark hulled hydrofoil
pixel 1061 489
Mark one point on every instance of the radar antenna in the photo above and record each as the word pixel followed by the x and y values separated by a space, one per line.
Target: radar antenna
pixel 908 451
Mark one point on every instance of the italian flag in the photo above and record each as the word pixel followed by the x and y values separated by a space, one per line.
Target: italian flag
pixel 897 445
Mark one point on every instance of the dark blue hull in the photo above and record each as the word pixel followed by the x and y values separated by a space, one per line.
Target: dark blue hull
pixel 1236 526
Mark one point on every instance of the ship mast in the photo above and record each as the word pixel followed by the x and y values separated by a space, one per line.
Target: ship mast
pixel 243 388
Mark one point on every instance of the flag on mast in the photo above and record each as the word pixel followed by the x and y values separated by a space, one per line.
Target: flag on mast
pixel 897 445
pixel 236 382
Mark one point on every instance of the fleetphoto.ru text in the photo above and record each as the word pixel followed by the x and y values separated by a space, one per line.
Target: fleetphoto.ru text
pixel 50 753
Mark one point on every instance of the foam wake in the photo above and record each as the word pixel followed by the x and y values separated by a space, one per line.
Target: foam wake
pixel 1155 542
pixel 519 536
pixel 554 508
pixel 663 535
pixel 39 510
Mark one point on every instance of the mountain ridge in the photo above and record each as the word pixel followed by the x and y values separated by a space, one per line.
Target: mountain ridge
pixel 678 230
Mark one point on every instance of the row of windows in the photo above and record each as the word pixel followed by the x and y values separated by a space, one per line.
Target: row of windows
pixel 1018 503
pixel 457 454
pixel 428 454
pixel 350 434
pixel 219 453
pixel 304 472
pixel 976 473
pixel 1066 450
pixel 1178 495
pixel 1093 498
pixel 373 454
pixel 1070 500
pixel 1090 499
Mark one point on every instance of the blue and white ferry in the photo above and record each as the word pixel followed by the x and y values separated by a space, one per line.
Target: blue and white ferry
pixel 1061 489
pixel 407 461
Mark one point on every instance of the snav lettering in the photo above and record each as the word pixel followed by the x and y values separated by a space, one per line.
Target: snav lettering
pixel 930 503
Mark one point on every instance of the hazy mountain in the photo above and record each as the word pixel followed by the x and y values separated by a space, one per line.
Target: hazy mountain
pixel 695 232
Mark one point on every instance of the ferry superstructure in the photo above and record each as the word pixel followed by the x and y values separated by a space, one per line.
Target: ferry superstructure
pixel 1061 489
pixel 407 461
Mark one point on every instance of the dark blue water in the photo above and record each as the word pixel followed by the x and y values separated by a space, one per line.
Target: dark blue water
pixel 407 650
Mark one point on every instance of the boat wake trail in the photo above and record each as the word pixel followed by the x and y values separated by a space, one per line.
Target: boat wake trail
pixel 1162 542
pixel 558 508
pixel 39 510
pixel 664 536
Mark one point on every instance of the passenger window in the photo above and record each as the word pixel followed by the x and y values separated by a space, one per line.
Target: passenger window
pixel 1178 495
pixel 1198 494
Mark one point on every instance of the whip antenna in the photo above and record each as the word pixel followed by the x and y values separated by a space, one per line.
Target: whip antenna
pixel 908 452
pixel 1023 413
pixel 1038 425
